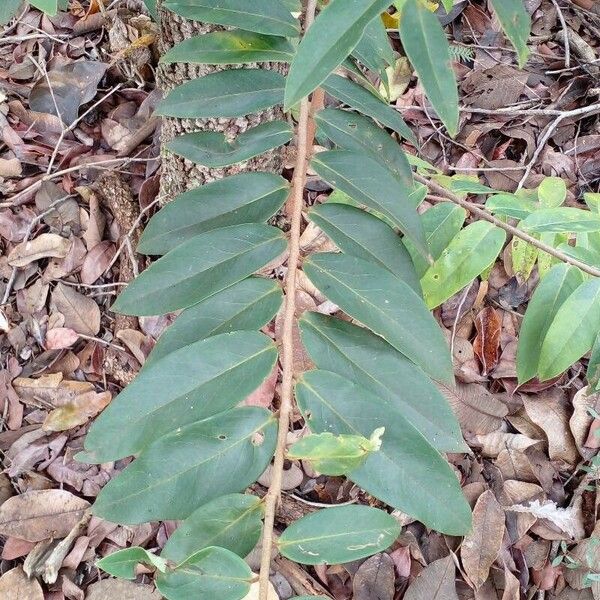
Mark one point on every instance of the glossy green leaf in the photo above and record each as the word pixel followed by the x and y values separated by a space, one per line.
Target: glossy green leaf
pixel 8 10
pixel 233 522
pixel 123 563
pixel 406 472
pixel 334 34
pixel 471 252
pixel 245 306
pixel 351 131
pixel 262 16
pixel 209 574
pixel 201 267
pixel 550 294
pixel 365 236
pixel 593 370
pixel 552 192
pixel 189 384
pixel 385 304
pixel 338 535
pixel 191 466
pixel 214 149
pixel 230 48
pixel 242 198
pixel 572 332
pixel 50 7
pixel 516 23
pixel 374 49
pixel 461 184
pixel 426 46
pixel 508 205
pixel 366 359
pixel 370 183
pixel 586 255
pixel 366 103
pixel 229 93
pixel 563 219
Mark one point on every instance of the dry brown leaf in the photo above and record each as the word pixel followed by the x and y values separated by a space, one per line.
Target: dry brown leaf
pixel 97 261
pixel 81 313
pixel 486 344
pixel 512 587
pixel 14 585
pixel 40 515
pixel 10 167
pixel 263 395
pixel 60 338
pixel 519 492
pixel 493 443
pixel 137 343
pixel 571 594
pixel 587 553
pixel 374 579
pixel 111 589
pixel 435 582
pixel 254 589
pixel 50 388
pixel 482 545
pixel 44 246
pixel 77 412
pixel 566 519
pixel 581 420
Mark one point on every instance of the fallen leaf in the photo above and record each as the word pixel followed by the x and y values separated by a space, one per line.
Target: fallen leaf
pixel 40 515
pixel 581 420
pixel 486 345
pixel 138 344
pixel 81 313
pixel 254 589
pixel 493 443
pixel 50 388
pixel 482 545
pixel 60 338
pixel 10 167
pixel 97 261
pixel 512 587
pixel 111 589
pixel 566 519
pixel 263 395
pixel 374 579
pixel 14 585
pixel 44 246
pixel 519 492
pixel 587 556
pixel 77 412
pixel 435 582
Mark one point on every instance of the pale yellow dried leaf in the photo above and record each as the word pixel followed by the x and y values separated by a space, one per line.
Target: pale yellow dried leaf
pixel 51 388
pixel 77 412
pixel 44 246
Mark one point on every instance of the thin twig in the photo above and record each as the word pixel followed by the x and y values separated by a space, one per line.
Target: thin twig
pixel 303 146
pixel 444 194
pixel 565 33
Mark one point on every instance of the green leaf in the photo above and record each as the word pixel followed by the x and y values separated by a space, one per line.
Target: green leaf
pixel 523 257
pixel 470 253
pixel 385 304
pixel 448 5
pixel 245 306
pixel 459 184
pixel 152 9
pixel 50 7
pixel 593 370
pixel 350 131
pixel 334 34
pixel 545 260
pixel 233 522
pixel 192 383
pixel 229 93
pixel 426 46
pixel 367 181
pixel 209 574
pixel 214 149
pixel 586 255
pixel 362 235
pixel 564 219
pixel 406 472
pixel 338 535
pixel 516 23
pixel 200 267
pixel 8 10
pixel 552 192
pixel 191 466
pixel 124 562
pixel 242 198
pixel 550 294
pixel 365 359
pixel 374 49
pixel 366 103
pixel 230 48
pixel 335 454
pixel 508 205
pixel 573 331
pixel 262 16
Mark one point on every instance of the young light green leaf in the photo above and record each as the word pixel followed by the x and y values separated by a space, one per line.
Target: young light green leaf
pixel 209 574
pixel 370 183
pixel 242 198
pixel 261 16
pixel 230 48
pixel 430 491
pixel 201 267
pixel 552 192
pixel 366 103
pixel 334 34
pixel 459 184
pixel 232 522
pixel 374 49
pixel 335 454
pixel 360 234
pixel 563 219
pixel 508 205
pixel 229 93
pixel 350 131
pixel 366 359
pixel 523 257
pixel 123 562
pixel 214 149
pixel 472 251
pixel 187 385
pixel 191 466
pixel 385 304
pixel 516 23
pixel 245 306
pixel 570 337
pixel 578 252
pixel 550 294
pixel 426 46
pixel 338 535
pixel 50 7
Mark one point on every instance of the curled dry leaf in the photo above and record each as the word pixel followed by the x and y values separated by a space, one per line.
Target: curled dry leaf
pixel 482 545
pixel 15 585
pixel 521 492
pixel 77 412
pixel 44 246
pixel 435 582
pixel 375 579
pixel 60 338
pixel 567 519
pixel 81 313
pixel 487 341
pixel 581 420
pixel 494 443
pixel 40 515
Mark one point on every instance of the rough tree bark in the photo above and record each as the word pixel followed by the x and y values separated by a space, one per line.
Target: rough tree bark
pixel 179 175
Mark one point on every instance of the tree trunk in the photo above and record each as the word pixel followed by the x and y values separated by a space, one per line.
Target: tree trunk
pixel 178 174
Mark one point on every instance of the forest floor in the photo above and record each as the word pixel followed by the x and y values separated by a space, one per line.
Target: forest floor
pixel 72 201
